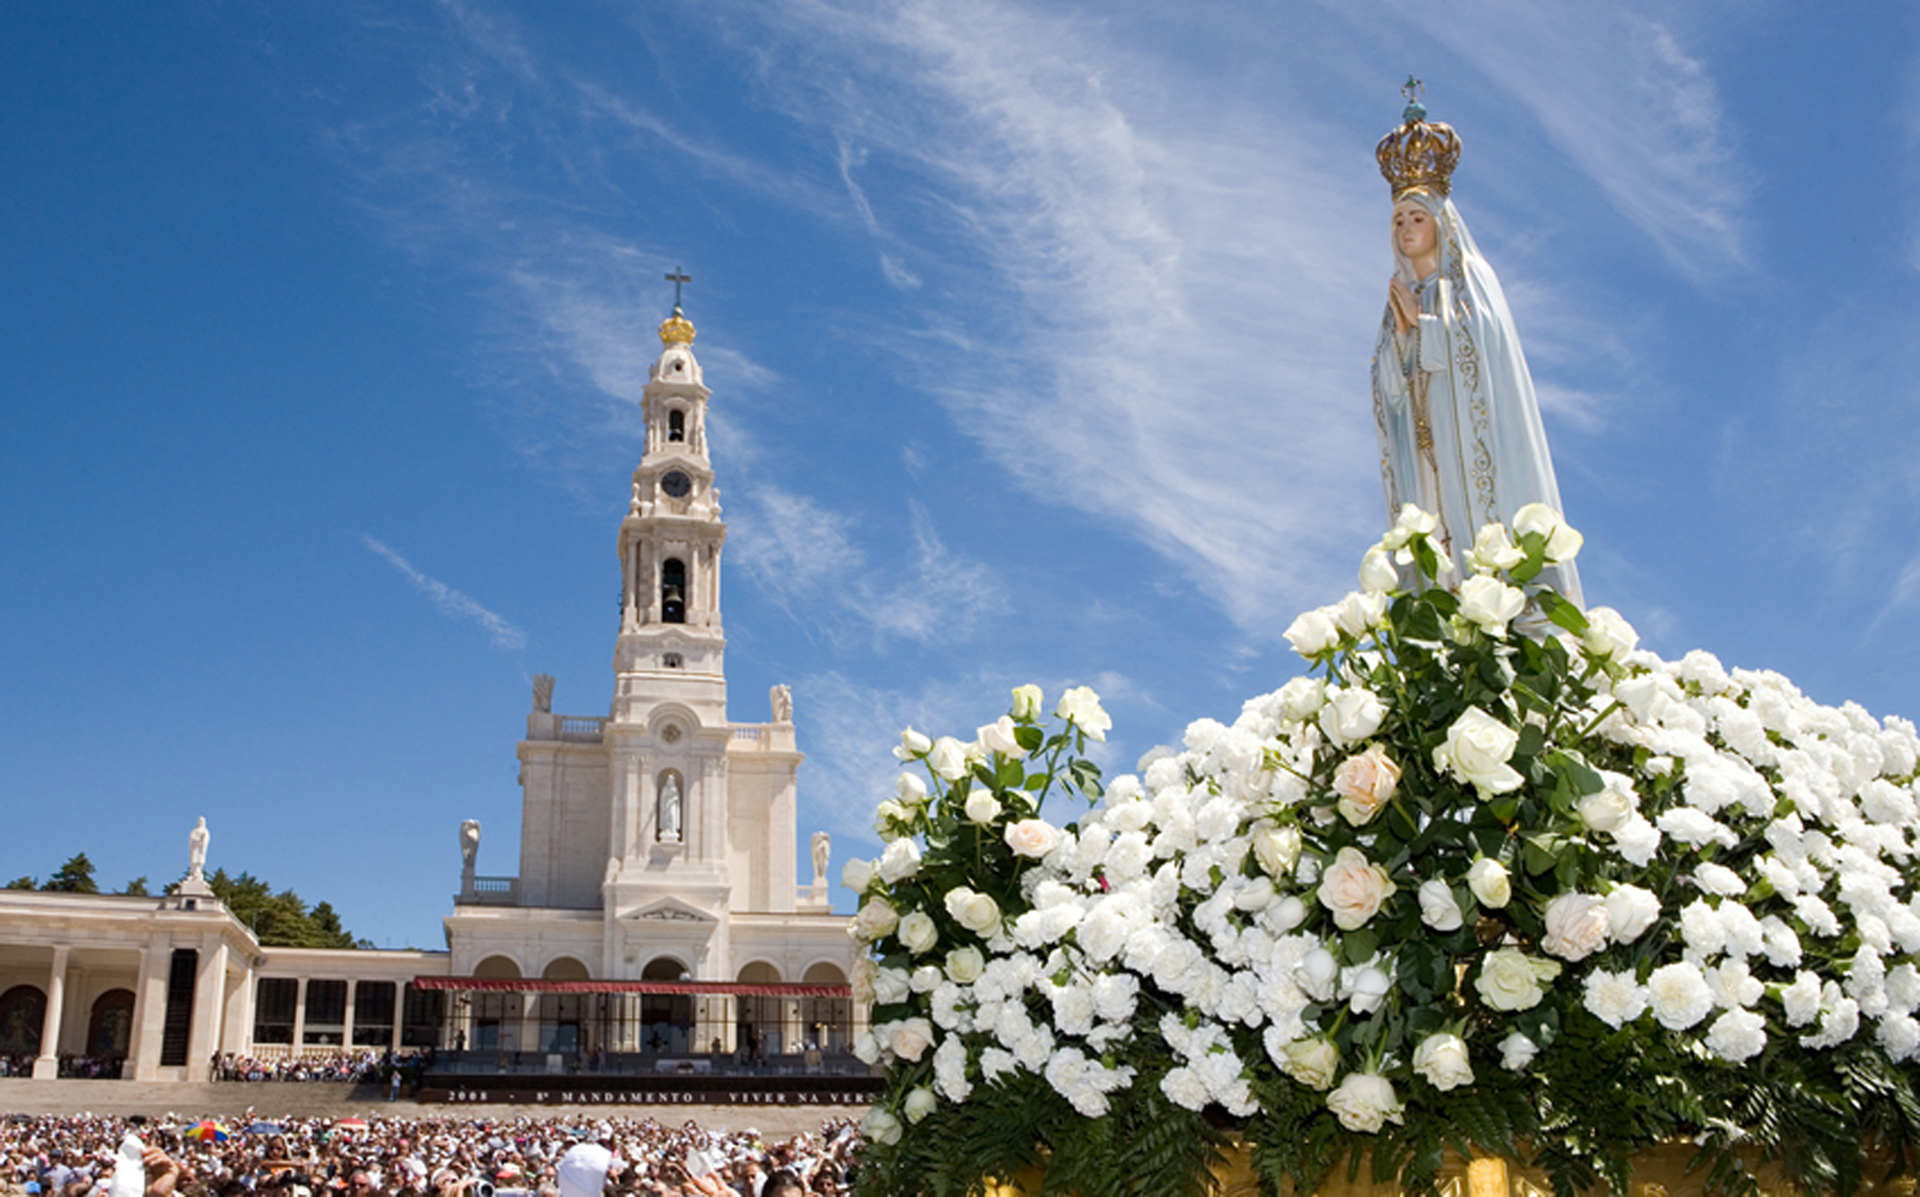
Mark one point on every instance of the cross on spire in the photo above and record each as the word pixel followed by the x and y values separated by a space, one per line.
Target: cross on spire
pixel 1412 88
pixel 678 278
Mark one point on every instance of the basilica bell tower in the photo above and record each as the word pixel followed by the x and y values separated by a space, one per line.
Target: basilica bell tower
pixel 667 736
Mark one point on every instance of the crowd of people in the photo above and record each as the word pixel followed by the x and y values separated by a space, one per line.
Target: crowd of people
pixel 74 1156
pixel 98 1068
pixel 340 1066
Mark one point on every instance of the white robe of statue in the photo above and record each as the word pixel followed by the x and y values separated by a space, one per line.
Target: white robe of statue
pixel 1490 450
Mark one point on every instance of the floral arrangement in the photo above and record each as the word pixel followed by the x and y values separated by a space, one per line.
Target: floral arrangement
pixel 1487 878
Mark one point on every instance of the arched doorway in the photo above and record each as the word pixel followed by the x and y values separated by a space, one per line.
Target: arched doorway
pixel 23 1011
pixel 666 1019
pixel 110 1026
pixel 828 1021
pixel 563 1016
pixel 759 1020
pixel 495 1018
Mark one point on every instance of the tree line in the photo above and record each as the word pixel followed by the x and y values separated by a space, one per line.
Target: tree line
pixel 278 920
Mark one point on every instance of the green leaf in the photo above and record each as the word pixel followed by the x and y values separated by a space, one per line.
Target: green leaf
pixel 1029 737
pixel 1359 946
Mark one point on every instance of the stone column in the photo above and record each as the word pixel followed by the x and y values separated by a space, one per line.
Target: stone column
pixel 209 1004
pixel 299 1016
pixel 236 1033
pixel 150 1008
pixel 346 1030
pixel 46 1066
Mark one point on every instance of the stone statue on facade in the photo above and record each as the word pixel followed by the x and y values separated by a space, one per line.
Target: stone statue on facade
pixel 469 843
pixel 197 851
pixel 782 698
pixel 670 809
pixel 822 847
pixel 543 693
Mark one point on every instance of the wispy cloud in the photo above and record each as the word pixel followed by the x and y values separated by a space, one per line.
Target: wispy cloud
pixel 451 602
pixel 804 558
pixel 1622 96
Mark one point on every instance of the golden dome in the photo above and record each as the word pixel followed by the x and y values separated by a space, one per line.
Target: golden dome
pixel 677 329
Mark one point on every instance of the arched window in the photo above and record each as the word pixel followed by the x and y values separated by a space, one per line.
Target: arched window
pixel 22 1011
pixel 676 425
pixel 673 591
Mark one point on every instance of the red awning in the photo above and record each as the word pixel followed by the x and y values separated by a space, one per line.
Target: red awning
pixel 688 988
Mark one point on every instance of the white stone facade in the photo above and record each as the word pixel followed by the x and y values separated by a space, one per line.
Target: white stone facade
pixel 659 842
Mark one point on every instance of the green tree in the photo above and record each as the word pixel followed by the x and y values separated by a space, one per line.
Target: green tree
pixel 137 888
pixel 74 877
pixel 279 920
pixel 23 883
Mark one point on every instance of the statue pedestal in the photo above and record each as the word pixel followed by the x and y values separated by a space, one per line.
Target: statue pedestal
pixel 195 887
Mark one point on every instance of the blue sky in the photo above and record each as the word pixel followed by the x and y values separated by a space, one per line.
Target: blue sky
pixel 1038 337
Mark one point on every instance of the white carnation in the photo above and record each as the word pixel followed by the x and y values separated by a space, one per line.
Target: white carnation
pixel 1679 995
pixel 1615 998
pixel 1737 1035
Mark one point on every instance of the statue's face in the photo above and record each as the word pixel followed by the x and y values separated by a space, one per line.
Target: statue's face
pixel 1413 230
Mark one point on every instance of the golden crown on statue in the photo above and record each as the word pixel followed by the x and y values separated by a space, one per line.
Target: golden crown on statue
pixel 1420 153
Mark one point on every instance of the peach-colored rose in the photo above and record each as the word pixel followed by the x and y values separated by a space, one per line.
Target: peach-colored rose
pixel 1353 887
pixel 910 1038
pixel 1032 837
pixel 1577 926
pixel 1365 783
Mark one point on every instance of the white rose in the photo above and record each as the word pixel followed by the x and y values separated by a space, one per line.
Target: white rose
pixel 998 737
pixel 1512 980
pixel 1608 634
pixel 857 874
pixel 1438 909
pixel 1359 612
pixel 1080 706
pixel 1368 991
pixel 912 745
pixel 874 920
pixel 1517 1051
pixel 891 986
pixel 1476 751
pixel 1364 1102
pixel 918 932
pixel 889 818
pixel 1630 911
pixel 1303 697
pixel 1493 550
pixel 1679 995
pixel 1351 715
pixel 920 1102
pixel 1352 887
pixel 1027 701
pixel 1411 522
pixel 1563 543
pixel 880 1126
pixel 1313 633
pixel 1442 1059
pixel 1490 604
pixel 964 965
pixel 976 912
pixel 1487 878
pixel 1316 974
pixel 900 861
pixel 948 758
pixel 1032 838
pixel 1377 574
pixel 910 790
pixel 926 979
pixel 1365 783
pixel 909 1038
pixel 1276 848
pixel 1610 808
pixel 1577 926
pixel 1313 1062
pixel 982 806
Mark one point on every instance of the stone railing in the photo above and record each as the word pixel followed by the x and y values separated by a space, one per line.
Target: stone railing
pixel 492 891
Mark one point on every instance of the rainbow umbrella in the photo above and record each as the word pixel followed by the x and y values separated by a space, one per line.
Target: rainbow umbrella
pixel 207 1132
